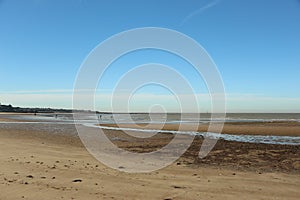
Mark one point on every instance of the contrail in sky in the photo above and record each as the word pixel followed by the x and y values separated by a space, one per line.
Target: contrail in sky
pixel 199 11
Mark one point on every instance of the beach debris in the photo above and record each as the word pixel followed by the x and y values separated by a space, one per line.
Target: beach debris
pixel 29 176
pixel 77 181
pixel 178 187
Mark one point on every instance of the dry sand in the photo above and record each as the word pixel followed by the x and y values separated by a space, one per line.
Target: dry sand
pixel 38 165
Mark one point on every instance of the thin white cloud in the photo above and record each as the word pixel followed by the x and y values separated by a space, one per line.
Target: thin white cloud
pixel 140 102
pixel 55 91
pixel 37 91
pixel 199 11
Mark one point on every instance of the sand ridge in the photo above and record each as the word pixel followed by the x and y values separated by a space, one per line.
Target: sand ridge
pixel 280 128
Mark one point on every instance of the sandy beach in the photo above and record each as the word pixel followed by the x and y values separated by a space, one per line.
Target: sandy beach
pixel 41 165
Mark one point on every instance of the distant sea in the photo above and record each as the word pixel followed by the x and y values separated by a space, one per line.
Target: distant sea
pixel 173 117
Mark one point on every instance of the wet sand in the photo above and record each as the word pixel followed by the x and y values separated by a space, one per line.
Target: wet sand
pixel 42 165
pixel 278 128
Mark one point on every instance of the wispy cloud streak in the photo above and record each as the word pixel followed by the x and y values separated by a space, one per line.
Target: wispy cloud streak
pixel 199 11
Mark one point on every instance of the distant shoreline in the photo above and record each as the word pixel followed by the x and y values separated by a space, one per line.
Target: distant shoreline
pixel 12 109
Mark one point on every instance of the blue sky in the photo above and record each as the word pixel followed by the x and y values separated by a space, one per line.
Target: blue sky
pixel 254 43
